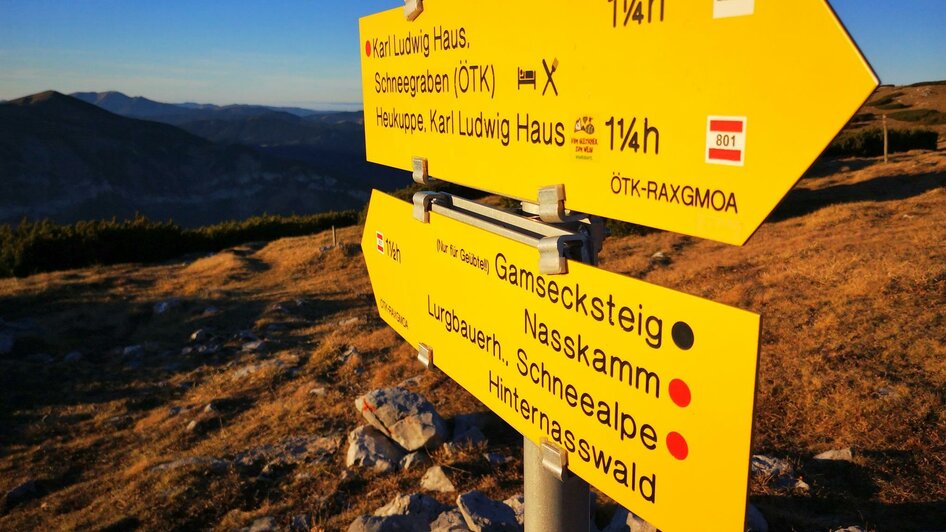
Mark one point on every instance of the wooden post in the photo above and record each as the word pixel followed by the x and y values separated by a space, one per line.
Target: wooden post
pixel 334 238
pixel 885 139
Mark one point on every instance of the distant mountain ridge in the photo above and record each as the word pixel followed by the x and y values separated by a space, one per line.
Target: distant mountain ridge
pixel 141 107
pixel 331 142
pixel 66 159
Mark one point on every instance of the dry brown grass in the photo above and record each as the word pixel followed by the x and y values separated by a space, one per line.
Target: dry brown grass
pixel 849 276
pixel 850 279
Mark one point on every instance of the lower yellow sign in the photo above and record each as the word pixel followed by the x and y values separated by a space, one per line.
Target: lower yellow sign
pixel 649 390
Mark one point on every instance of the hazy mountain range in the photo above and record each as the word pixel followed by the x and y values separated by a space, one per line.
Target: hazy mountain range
pixel 141 107
pixel 99 155
pixel 330 142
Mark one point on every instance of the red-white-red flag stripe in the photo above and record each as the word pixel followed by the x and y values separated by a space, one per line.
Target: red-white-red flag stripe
pixel 726 140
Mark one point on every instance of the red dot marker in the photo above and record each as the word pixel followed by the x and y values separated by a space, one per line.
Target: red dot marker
pixel 680 393
pixel 677 446
pixel 368 48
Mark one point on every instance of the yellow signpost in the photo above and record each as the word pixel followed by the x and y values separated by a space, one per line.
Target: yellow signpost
pixel 650 391
pixel 695 117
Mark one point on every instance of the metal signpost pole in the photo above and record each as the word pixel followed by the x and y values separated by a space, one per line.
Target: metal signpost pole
pixel 555 500
pixel 886 144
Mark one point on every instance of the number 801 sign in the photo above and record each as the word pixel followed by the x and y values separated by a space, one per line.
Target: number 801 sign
pixel 726 140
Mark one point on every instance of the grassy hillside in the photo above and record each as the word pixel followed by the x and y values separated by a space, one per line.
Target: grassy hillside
pixel 918 105
pixel 849 275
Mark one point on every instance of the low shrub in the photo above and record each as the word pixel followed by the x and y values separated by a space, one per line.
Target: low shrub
pixel 886 100
pixel 930 117
pixel 892 106
pixel 928 83
pixel 43 246
pixel 870 142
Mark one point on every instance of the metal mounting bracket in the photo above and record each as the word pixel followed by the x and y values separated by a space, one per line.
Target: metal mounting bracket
pixel 555 244
pixel 597 233
pixel 422 204
pixel 552 204
pixel 555 460
pixel 419 166
pixel 425 354
pixel 551 255
pixel 413 9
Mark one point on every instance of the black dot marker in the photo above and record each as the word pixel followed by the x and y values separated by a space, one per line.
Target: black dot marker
pixel 682 335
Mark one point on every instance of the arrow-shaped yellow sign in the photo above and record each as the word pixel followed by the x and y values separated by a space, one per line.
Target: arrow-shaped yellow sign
pixel 649 391
pixel 693 116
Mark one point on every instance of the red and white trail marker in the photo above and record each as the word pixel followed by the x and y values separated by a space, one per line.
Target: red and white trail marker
pixel 726 140
pixel 380 240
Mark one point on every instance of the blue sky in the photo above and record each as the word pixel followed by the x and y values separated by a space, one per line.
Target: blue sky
pixel 306 52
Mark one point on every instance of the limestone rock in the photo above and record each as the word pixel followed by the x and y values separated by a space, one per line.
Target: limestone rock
pixel 472 436
pixel 368 447
pixel 841 455
pixel 246 371
pixel 394 523
pixel 255 346
pixel 350 352
pixel 449 521
pixel 263 524
pixel 436 480
pixel 416 459
pixel 416 504
pixel 769 467
pixel 162 307
pixel 22 493
pixel 775 471
pixel 625 521
pixel 755 521
pixel 271 459
pixel 133 351
pixel 406 513
pixel 411 383
pixel 518 505
pixel 484 514
pixel 204 423
pixel 660 258
pixel 200 336
pixel 212 464
pixel 404 416
pixel 497 459
pixel 246 336
pixel 463 423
